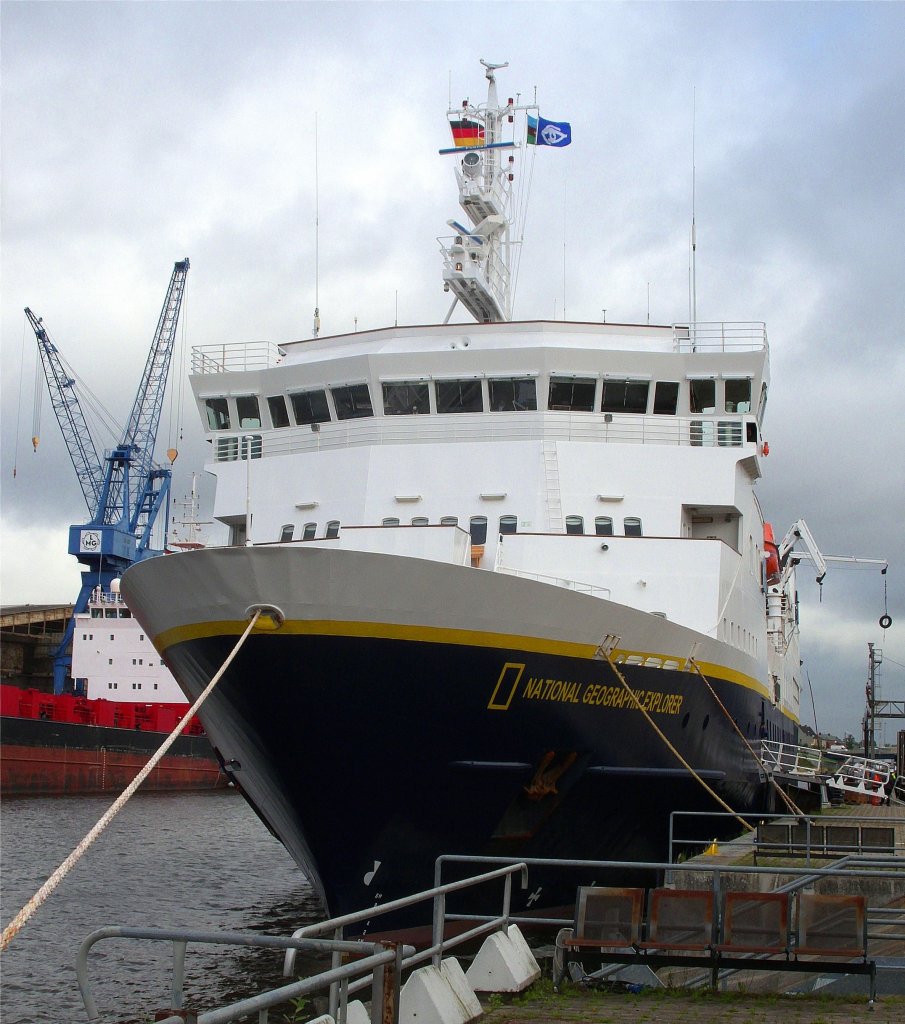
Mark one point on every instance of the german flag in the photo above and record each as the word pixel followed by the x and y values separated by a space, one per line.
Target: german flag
pixel 467 133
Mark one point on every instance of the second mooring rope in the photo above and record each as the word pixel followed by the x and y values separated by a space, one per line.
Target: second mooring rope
pixel 12 929
pixel 638 705
pixel 789 802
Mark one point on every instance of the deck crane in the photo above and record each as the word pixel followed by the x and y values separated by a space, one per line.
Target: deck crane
pixel 124 491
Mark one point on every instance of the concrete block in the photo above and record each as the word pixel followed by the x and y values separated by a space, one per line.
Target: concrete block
pixel 503 964
pixel 357 1013
pixel 429 998
pixel 451 969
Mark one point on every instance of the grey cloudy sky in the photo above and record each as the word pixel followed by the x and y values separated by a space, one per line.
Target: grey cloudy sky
pixel 136 134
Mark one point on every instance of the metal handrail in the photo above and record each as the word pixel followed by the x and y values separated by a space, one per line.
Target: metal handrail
pixel 437 894
pixel 235 357
pixel 681 431
pixel 381 954
pixel 815 820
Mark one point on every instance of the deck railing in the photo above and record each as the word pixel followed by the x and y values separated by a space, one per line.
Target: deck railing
pixel 720 336
pixel 714 432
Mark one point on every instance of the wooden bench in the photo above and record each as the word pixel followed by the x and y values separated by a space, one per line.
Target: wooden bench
pixel 753 931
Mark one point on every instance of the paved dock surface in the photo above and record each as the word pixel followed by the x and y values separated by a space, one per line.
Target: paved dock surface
pixel 673 1007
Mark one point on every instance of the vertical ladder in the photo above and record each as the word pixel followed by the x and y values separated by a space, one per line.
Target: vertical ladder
pixel 552 488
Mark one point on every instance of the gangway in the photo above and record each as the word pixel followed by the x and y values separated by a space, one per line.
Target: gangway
pixel 863 779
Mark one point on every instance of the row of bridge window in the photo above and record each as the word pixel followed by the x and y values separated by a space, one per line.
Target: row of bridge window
pixel 508 394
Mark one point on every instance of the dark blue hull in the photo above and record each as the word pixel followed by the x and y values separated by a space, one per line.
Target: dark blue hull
pixel 369 757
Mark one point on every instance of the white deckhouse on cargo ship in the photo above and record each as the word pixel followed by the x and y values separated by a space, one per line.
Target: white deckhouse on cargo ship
pixel 519 596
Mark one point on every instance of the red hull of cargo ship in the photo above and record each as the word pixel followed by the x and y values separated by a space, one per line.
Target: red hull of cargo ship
pixel 64 744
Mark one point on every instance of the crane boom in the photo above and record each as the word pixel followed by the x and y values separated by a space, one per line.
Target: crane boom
pixel 126 491
pixel 140 435
pixel 68 410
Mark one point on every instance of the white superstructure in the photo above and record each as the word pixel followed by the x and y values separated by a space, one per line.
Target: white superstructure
pixel 111 652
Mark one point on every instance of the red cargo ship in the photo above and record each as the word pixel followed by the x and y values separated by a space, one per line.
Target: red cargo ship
pixel 55 744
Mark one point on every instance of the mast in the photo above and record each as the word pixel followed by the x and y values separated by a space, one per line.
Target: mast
pixel 476 257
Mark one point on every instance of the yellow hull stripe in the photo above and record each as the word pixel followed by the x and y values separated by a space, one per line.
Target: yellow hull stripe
pixel 446 635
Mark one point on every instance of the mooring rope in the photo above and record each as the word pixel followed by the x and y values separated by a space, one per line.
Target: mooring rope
pixel 790 803
pixel 12 929
pixel 670 745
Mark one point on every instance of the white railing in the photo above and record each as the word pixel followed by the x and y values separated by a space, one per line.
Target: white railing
pixel 557 581
pixel 720 336
pixel 697 432
pixel 234 358
pixel 794 760
pixel 846 773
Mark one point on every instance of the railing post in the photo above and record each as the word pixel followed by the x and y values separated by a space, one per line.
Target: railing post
pixel 384 997
pixel 439 917
pixel 335 961
pixel 178 984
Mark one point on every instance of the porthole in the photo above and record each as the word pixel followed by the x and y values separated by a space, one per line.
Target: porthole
pixel 685 719
pixel 706 722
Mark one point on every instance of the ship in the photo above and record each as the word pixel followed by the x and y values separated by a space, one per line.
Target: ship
pixel 97 735
pixel 515 593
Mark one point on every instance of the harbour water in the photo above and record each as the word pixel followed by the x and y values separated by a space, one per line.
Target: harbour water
pixel 193 860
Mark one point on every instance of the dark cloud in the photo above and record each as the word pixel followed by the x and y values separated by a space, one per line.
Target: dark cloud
pixel 158 131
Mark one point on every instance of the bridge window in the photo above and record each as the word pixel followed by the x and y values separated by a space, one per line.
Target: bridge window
pixel 666 396
pixel 406 399
pixel 512 394
pixel 603 526
pixel 572 394
pixel 227 449
pixel 574 524
pixel 332 531
pixel 632 526
pixel 449 521
pixel 624 396
pixel 762 404
pixel 738 395
pixel 279 417
pixel 459 396
pixel 217 413
pixel 702 396
pixel 390 521
pixel 310 407
pixel 286 533
pixel 248 411
pixel 729 433
pixel 309 531
pixel 478 528
pixel 508 524
pixel 419 521
pixel 352 401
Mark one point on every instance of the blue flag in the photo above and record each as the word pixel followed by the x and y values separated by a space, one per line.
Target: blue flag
pixel 548 133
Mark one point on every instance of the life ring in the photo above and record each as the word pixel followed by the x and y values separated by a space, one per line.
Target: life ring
pixel 885 621
pixel 765 448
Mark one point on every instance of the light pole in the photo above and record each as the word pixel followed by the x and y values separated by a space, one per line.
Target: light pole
pixel 246 446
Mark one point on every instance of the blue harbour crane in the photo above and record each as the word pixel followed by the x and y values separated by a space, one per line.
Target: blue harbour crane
pixel 125 491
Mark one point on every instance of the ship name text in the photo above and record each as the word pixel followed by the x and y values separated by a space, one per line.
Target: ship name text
pixel 565 692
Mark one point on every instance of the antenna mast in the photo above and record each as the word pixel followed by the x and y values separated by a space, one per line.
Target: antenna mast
pixel 694 241
pixel 317 315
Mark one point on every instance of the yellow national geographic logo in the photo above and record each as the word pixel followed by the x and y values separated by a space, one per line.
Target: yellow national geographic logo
pixel 506 686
